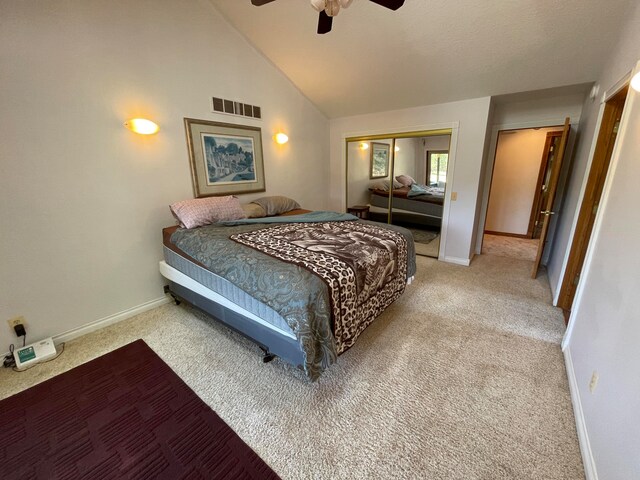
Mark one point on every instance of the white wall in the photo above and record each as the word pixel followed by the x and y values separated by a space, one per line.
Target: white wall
pixel 604 331
pixel 359 172
pixel 405 162
pixel 515 176
pixel 83 200
pixel 470 116
pixel 437 142
pixel 620 64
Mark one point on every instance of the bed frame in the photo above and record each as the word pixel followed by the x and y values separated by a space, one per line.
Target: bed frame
pixel 271 340
pixel 406 210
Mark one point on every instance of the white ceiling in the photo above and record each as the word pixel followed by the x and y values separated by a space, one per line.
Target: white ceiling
pixel 430 51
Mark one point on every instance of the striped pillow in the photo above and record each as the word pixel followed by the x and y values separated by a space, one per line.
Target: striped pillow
pixel 204 211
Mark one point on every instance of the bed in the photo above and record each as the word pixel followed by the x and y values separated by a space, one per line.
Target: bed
pixel 422 209
pixel 302 286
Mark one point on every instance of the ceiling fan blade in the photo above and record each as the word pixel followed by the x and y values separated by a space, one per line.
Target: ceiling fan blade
pixel 258 3
pixel 391 4
pixel 324 23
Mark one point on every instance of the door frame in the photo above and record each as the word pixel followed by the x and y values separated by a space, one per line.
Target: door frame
pixel 606 96
pixel 589 204
pixel 554 183
pixel 490 160
pixel 622 132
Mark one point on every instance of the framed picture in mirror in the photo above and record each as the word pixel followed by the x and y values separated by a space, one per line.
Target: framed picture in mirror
pixel 379 160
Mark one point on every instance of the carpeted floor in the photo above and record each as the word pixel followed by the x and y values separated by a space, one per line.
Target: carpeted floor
pixel 513 247
pixel 125 414
pixel 462 378
pixel 427 242
pixel 423 236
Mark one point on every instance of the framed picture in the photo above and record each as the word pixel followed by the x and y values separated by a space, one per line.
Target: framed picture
pixel 226 159
pixel 379 160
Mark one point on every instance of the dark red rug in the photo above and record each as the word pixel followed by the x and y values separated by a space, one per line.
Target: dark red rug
pixel 123 415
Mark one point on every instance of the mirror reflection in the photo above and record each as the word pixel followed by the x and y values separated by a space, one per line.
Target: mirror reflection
pixel 401 181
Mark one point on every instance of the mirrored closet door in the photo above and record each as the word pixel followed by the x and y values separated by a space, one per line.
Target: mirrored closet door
pixel 401 180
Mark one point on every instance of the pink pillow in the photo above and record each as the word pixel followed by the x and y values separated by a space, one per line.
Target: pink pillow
pixel 405 180
pixel 204 211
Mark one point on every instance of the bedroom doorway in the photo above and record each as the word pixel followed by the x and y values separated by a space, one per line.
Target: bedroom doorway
pixel 401 179
pixel 520 184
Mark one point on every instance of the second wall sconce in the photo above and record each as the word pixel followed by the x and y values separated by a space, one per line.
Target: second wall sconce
pixel 281 138
pixel 142 126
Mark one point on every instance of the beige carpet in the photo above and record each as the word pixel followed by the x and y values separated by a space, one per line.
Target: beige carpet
pixel 462 378
pixel 513 247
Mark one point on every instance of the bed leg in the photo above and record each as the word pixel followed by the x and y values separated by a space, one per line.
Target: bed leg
pixel 267 356
pixel 176 300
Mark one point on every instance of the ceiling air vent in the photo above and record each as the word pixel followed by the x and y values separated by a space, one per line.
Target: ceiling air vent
pixel 221 105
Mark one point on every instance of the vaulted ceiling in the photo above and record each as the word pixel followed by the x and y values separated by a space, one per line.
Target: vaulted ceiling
pixel 430 51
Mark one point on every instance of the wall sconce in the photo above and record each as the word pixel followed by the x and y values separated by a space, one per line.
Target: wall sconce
pixel 397 149
pixel 635 82
pixel 364 146
pixel 281 138
pixel 142 126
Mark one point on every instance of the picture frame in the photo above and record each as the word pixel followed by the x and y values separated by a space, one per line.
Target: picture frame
pixel 379 160
pixel 225 158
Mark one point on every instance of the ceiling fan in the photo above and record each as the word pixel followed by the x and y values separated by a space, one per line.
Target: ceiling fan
pixel 330 8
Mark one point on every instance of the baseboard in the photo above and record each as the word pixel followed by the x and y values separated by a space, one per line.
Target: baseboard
pixel 110 320
pixel 458 261
pixel 507 234
pixel 106 321
pixel 583 437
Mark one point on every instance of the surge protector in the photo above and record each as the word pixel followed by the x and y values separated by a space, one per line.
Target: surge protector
pixel 34 353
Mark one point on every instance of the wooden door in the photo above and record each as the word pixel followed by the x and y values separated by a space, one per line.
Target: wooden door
pixel 551 195
pixel 551 147
pixel 591 200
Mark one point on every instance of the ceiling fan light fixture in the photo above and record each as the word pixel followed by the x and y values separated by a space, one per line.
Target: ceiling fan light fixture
pixel 333 8
pixel 319 5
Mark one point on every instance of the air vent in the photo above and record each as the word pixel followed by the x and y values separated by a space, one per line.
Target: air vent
pixel 230 107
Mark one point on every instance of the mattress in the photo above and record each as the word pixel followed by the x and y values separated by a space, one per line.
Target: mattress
pixel 189 267
pixel 412 205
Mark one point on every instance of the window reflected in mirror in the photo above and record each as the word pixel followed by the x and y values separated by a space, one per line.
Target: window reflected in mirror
pixel 437 165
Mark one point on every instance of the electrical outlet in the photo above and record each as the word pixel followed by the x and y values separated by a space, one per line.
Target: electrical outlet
pixel 19 320
pixel 594 381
